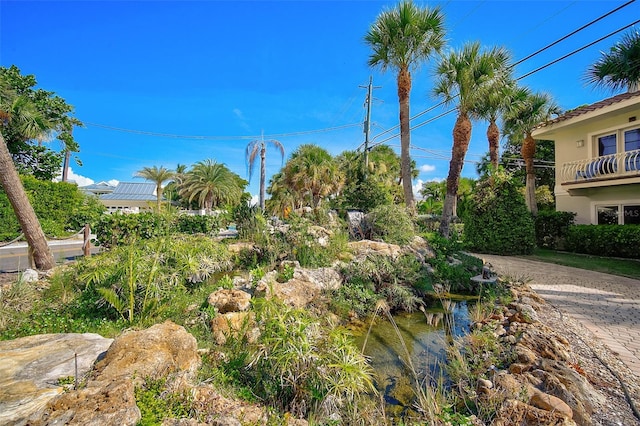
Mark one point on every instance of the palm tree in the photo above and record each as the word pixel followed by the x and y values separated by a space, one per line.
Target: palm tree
pixel 211 183
pixel 492 104
pixel 620 67
pixel 19 112
pixel 464 75
pixel 260 146
pixel 527 110
pixel 312 174
pixel 157 175
pixel 401 39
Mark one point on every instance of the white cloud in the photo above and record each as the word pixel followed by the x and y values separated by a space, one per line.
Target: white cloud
pixel 238 113
pixel 72 177
pixel 113 182
pixel 427 168
pixel 417 186
pixel 254 200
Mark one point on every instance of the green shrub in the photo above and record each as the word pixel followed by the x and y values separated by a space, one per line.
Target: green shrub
pixel 391 223
pixel 208 224
pixel 122 229
pixel 60 206
pixel 552 228
pixel 499 221
pixel 605 240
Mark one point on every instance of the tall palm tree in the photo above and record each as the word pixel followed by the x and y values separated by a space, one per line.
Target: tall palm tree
pixel 401 39
pixel 260 146
pixel 492 104
pixel 620 67
pixel 20 113
pixel 527 110
pixel 157 175
pixel 211 184
pixel 312 174
pixel 464 76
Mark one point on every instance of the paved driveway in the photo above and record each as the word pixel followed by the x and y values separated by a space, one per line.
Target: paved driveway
pixel 607 305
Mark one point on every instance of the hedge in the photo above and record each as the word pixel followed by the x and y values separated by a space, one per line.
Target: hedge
pixel 605 240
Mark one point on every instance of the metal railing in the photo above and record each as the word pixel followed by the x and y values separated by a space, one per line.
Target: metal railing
pixel 622 164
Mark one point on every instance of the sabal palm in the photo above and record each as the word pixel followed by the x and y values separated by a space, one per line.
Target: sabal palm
pixel 312 174
pixel 620 67
pixel 463 77
pixel 527 110
pixel 211 183
pixel 259 146
pixel 492 104
pixel 401 39
pixel 18 112
pixel 157 175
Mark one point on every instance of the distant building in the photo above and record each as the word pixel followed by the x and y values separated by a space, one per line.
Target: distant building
pixel 598 160
pixel 126 197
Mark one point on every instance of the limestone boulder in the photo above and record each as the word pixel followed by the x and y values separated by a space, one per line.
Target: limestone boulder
pixel 305 286
pixel 230 300
pixel 547 402
pixel 30 369
pixel 514 412
pixel 364 248
pixel 231 325
pixel 151 353
pixel 545 342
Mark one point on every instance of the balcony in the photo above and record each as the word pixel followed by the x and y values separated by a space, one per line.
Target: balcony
pixel 601 169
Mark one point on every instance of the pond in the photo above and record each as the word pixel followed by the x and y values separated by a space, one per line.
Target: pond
pixel 423 335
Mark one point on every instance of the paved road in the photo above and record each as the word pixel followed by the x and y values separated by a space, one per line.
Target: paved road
pixel 14 257
pixel 607 305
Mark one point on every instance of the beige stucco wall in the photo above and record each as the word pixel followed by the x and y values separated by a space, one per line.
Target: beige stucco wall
pixel 587 128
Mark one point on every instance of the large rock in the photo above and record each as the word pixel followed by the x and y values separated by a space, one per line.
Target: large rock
pixel 232 324
pixel 230 300
pixel 30 369
pixel 151 353
pixel 514 412
pixel 364 248
pixel 305 286
pixel 108 399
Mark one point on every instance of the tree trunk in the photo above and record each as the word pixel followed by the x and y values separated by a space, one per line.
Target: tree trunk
pixel 158 196
pixel 263 173
pixel 528 151
pixel 404 89
pixel 493 136
pixel 461 138
pixel 10 181
pixel 65 166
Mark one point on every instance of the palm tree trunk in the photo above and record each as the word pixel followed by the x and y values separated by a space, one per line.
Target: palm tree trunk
pixel 158 196
pixel 493 136
pixel 404 89
pixel 10 181
pixel 461 138
pixel 263 173
pixel 528 151
pixel 65 166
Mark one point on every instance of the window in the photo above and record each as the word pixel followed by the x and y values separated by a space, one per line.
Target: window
pixel 607 215
pixel 632 140
pixel 606 145
pixel 619 214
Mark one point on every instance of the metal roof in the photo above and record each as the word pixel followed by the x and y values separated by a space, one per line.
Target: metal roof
pixel 132 191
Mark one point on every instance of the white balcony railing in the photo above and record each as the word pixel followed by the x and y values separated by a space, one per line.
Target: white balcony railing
pixel 622 164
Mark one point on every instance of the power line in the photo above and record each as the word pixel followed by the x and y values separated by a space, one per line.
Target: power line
pixel 176 136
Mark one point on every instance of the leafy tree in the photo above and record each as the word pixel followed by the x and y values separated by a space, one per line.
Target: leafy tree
pixel 527 110
pixel 465 75
pixel 212 184
pixel 620 67
pixel 281 201
pixel 56 121
pixel 311 175
pixel 401 39
pixel 157 175
pixel 20 113
pixel 259 146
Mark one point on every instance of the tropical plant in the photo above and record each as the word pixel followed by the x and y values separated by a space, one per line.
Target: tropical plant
pixel 465 75
pixel 401 39
pixel 526 111
pixel 391 223
pixel 259 146
pixel 211 184
pixel 157 175
pixel 18 112
pixel 311 175
pixel 282 201
pixel 620 67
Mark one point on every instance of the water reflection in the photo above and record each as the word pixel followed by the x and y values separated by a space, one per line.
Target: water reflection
pixel 423 335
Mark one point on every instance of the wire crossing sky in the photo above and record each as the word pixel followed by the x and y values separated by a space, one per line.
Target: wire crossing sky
pixel 165 82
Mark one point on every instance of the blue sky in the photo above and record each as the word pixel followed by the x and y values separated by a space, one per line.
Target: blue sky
pixel 230 70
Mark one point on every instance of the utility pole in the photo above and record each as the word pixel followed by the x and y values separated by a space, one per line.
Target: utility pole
pixel 367 120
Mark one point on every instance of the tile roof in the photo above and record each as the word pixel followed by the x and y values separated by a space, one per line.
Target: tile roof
pixel 589 108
